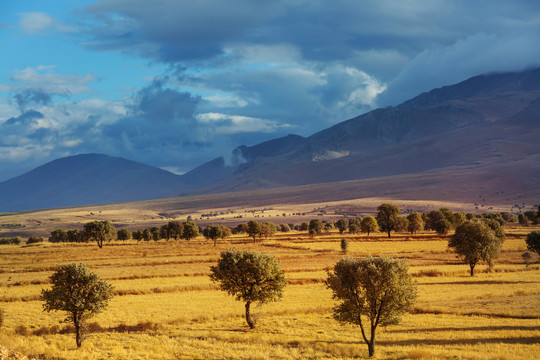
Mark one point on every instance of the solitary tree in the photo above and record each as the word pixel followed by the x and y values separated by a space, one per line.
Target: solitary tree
pixel 527 256
pixel 344 245
pixel 388 217
pixel 533 241
pixel 213 232
pixel 99 231
pixel 249 276
pixel 371 292
pixel 415 222
pixel 475 241
pixel 80 293
pixel 369 224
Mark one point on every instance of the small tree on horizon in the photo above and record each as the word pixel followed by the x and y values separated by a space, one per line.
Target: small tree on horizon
pixel 371 292
pixel 80 293
pixel 249 276
pixel 369 225
pixel 99 231
pixel 388 217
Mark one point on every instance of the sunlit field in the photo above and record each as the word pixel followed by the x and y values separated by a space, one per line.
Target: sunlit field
pixel 165 306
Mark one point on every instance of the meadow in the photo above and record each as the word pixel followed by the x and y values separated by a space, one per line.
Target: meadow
pixel 165 306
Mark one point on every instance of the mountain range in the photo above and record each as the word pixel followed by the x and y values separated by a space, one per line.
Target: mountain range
pixel 481 135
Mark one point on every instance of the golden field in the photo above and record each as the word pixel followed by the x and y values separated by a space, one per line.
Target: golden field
pixel 166 307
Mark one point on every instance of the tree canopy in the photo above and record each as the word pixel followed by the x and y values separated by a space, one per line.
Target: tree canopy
pixel 478 240
pixel 371 292
pixel 249 276
pixel 99 231
pixel 388 217
pixel 533 241
pixel 79 292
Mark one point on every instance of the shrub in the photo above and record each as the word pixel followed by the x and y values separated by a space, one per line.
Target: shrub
pixel 344 245
pixel 34 240
pixel 11 241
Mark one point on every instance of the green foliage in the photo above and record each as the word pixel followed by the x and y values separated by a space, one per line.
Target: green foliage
pixel 342 225
pixel 99 231
pixel 268 229
pixel 533 241
pixel 254 229
pixel 415 222
pixel 11 241
pixel 344 245
pixel 315 227
pixel 249 276
pixel 369 224
pixel 527 256
pixel 388 217
pixel 190 230
pixel 438 221
pixel 34 240
pixel 57 236
pixel 478 240
pixel 79 292
pixel 374 291
pixel 284 228
pixel 213 232
pixel 124 234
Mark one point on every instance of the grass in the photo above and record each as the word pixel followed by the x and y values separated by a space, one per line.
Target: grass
pixel 167 308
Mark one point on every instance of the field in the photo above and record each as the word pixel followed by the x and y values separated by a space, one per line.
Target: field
pixel 165 306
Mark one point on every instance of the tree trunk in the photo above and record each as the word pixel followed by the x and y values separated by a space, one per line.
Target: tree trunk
pixel 389 233
pixel 371 347
pixel 471 264
pixel 78 332
pixel 248 316
pixel 215 241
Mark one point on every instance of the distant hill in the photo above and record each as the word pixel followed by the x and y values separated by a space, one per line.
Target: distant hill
pixel 87 179
pixel 476 139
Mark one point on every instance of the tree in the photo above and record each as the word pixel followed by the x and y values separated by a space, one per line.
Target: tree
pixel 175 230
pixel 249 276
pixel 285 228
pixel 527 256
pixel 75 236
pixel 254 229
pixel 58 235
pixel 124 234
pixel 371 290
pixel 342 225
pixel 415 222
pixel 213 232
pixel 268 229
pixel 388 217
pixel 80 293
pixel 99 231
pixel 533 241
pixel 438 221
pixel 315 227
pixel 344 245
pixel 225 231
pixel 369 224
pixel 190 230
pixel 475 241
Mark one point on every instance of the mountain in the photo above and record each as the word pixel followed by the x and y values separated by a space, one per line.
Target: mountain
pixel 87 179
pixel 486 121
pixel 478 138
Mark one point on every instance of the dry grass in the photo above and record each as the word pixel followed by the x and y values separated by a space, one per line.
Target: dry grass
pixel 169 309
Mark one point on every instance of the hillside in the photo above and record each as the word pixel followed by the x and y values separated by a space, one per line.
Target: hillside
pixel 87 179
pixel 481 134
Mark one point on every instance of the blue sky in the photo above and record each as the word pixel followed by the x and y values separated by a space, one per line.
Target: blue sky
pixel 175 83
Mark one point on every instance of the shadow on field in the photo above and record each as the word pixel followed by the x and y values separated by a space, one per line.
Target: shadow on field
pixel 480 328
pixel 520 340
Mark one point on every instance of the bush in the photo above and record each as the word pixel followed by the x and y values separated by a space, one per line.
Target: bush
pixel 34 240
pixel 11 241
pixel 344 245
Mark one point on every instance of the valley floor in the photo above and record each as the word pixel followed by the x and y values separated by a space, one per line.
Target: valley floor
pixel 166 307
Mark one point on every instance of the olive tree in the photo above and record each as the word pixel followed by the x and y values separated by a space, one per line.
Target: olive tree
pixel 477 240
pixel 342 225
pixel 254 229
pixel 249 276
pixel 213 232
pixel 80 293
pixel 533 241
pixel 190 230
pixel 99 231
pixel 388 217
pixel 371 291
pixel 415 222
pixel 369 224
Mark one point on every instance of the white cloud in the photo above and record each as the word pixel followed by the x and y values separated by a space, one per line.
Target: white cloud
pixel 233 124
pixel 41 77
pixel 37 22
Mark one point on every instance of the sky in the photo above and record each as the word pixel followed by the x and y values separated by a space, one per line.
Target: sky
pixel 176 83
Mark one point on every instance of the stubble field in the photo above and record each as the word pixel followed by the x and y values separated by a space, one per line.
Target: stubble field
pixel 165 306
